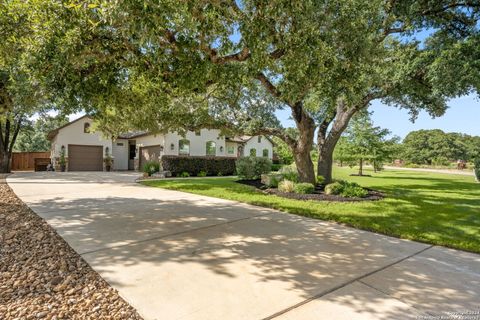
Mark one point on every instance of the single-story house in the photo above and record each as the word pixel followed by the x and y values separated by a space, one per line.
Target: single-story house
pixel 86 151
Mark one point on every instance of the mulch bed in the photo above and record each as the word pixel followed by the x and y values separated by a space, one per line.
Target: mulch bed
pixel 41 277
pixel 319 195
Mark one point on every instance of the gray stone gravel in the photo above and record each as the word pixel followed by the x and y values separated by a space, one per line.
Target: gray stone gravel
pixel 41 277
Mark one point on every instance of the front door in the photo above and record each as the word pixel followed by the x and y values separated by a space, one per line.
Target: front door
pixel 131 154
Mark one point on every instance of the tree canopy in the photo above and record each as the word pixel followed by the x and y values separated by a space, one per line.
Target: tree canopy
pixel 169 65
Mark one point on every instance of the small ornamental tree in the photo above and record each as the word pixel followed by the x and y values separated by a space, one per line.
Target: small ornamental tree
pixel 365 142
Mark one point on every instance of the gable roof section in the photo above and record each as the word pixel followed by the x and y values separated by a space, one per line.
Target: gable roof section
pixel 51 135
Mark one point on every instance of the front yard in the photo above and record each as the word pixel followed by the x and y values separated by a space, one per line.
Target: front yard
pixel 435 208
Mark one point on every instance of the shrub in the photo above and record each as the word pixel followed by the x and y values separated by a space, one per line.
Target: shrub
pixel 334 188
pixel 476 163
pixel 346 189
pixel 194 165
pixel 276 166
pixel 184 174
pixel 304 188
pixel 151 167
pixel 289 173
pixel 271 179
pixel 286 186
pixel 352 190
pixel 320 179
pixel 202 174
pixel 253 167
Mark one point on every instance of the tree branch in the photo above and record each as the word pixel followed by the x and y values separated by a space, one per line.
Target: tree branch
pixel 268 85
pixel 15 134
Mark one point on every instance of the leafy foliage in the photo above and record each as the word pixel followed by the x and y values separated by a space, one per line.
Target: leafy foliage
pixel 33 137
pixel 435 147
pixel 194 165
pixel 151 167
pixel 289 173
pixel 477 168
pixel 363 141
pixel 253 167
pixel 346 189
pixel 303 188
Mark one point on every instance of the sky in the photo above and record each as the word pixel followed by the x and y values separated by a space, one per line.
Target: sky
pixel 463 115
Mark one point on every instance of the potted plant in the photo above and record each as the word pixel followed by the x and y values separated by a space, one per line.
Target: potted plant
pixel 62 161
pixel 108 162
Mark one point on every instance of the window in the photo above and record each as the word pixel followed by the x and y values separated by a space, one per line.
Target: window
pixel 197 132
pixel 184 147
pixel 253 152
pixel 259 139
pixel 211 148
pixel 231 150
pixel 265 153
pixel 86 127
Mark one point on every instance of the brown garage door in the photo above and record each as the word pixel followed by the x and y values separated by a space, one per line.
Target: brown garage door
pixel 149 153
pixel 85 158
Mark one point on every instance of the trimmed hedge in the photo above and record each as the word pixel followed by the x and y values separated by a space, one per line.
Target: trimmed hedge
pixel 212 166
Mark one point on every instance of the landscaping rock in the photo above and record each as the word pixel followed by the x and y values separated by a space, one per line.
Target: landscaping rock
pixel 41 277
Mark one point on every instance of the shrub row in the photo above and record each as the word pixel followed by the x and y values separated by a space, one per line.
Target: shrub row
pixel 212 166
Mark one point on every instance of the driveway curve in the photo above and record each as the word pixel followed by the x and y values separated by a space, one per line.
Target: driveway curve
pixel 174 255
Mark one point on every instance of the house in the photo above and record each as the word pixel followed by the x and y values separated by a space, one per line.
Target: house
pixel 86 151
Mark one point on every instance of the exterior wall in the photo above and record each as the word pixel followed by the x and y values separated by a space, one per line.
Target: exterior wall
pixel 73 134
pixel 197 143
pixel 264 144
pixel 120 154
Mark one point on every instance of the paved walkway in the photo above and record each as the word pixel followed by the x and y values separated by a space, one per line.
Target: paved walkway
pixel 174 255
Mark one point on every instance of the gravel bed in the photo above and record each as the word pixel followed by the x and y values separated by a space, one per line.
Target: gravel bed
pixel 41 277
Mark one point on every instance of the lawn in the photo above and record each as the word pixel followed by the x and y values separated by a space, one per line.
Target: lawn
pixel 435 208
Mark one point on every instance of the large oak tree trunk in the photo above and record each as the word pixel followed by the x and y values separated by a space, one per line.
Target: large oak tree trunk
pixel 326 142
pixel 325 162
pixel 304 144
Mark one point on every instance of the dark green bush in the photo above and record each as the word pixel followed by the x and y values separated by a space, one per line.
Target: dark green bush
pixel 353 191
pixel 346 189
pixel 303 188
pixel 151 167
pixel 253 167
pixel 276 166
pixel 202 174
pixel 476 163
pixel 194 165
pixel 184 174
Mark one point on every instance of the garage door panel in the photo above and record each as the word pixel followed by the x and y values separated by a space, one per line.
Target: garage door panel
pixel 85 158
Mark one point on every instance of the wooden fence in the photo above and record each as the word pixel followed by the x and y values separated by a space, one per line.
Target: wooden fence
pixel 23 161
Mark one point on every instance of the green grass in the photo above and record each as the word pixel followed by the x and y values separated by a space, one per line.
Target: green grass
pixel 440 209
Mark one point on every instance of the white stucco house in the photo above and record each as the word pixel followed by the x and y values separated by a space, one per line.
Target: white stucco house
pixel 86 151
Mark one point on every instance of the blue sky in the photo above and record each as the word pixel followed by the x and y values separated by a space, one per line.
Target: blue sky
pixel 463 115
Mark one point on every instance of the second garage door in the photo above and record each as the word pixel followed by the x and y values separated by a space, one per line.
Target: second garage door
pixel 85 158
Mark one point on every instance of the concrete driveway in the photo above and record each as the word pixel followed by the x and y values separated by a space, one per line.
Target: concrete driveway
pixel 174 255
